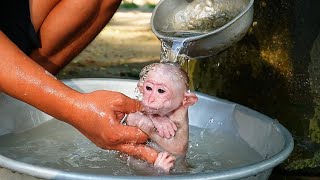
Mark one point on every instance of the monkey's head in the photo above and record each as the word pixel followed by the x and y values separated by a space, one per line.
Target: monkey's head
pixel 165 88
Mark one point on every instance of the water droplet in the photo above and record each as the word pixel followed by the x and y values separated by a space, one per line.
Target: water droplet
pixel 217 163
pixel 201 134
pixel 211 120
pixel 230 161
pixel 138 95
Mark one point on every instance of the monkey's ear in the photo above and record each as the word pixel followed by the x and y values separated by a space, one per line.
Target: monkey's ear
pixel 140 86
pixel 189 99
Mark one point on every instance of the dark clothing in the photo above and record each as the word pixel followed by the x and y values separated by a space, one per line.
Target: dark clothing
pixel 16 24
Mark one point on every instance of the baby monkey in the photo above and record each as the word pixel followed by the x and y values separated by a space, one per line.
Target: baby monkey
pixel 164 88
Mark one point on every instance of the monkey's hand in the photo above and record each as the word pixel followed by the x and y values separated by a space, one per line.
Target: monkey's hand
pixel 141 121
pixel 164 161
pixel 165 127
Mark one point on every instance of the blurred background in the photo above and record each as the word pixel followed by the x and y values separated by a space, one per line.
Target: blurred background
pixel 274 69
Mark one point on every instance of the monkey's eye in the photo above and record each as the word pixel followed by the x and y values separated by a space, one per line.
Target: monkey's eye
pixel 161 91
pixel 148 88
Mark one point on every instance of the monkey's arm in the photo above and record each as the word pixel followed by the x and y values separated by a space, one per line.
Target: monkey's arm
pixel 164 126
pixel 141 121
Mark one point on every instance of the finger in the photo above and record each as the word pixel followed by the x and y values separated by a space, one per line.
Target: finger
pixel 170 158
pixel 126 104
pixel 119 116
pixel 171 165
pixel 158 160
pixel 174 126
pixel 171 131
pixel 167 133
pixel 139 151
pixel 160 132
pixel 164 154
pixel 129 134
pixel 161 158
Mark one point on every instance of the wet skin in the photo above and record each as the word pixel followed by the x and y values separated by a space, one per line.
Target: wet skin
pixel 29 78
pixel 166 100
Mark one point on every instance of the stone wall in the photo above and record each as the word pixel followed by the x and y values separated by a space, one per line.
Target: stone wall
pixel 274 69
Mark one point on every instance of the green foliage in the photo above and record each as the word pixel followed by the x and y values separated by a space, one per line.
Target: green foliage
pixel 300 164
pixel 133 6
pixel 150 6
pixel 126 5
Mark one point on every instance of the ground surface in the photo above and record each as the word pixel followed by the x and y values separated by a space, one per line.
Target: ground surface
pixel 124 46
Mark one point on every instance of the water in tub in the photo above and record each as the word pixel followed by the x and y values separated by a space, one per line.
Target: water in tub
pixel 56 144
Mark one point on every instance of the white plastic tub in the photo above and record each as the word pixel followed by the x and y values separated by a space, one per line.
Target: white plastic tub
pixel 265 135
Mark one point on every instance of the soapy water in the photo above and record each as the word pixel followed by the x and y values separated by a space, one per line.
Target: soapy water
pixel 58 145
pixel 202 16
pixel 195 18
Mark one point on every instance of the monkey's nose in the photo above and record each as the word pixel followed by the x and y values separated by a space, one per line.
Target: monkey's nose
pixel 151 99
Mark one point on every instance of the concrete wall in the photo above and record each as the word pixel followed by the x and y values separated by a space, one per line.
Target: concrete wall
pixel 274 69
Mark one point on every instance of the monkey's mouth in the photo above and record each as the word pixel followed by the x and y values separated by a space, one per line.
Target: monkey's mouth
pixel 153 111
pixel 149 109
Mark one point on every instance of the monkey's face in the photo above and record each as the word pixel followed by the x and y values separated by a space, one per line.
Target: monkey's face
pixel 161 93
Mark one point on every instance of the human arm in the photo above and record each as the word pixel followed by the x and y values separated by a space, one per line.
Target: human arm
pixel 94 114
pixel 22 78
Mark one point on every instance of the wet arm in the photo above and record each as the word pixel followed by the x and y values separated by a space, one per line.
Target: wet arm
pixel 93 114
pixel 22 78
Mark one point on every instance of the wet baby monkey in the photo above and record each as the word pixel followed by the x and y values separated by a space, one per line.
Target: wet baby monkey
pixel 164 89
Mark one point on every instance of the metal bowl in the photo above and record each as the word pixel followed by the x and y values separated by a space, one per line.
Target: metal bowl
pixel 203 44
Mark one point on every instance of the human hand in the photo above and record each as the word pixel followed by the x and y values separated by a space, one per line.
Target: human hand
pixel 165 161
pixel 165 127
pixel 97 115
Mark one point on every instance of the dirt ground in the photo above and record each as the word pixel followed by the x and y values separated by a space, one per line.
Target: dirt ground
pixel 124 46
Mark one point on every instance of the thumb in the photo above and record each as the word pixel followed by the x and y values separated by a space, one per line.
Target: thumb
pixel 128 105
